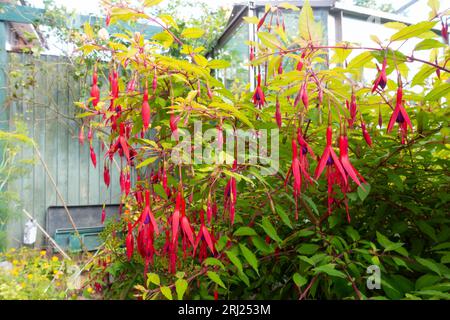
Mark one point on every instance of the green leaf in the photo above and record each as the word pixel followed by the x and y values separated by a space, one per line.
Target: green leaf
pixel 210 261
pixel 235 260
pixel 181 287
pixel 430 264
pixel 438 92
pixel 146 162
pixel 166 292
pixel 159 190
pixel 360 60
pixel 308 28
pixel 352 233
pixel 150 3
pixel 245 231
pixel 192 33
pixel 250 257
pixel 269 40
pixel 153 278
pixel 299 280
pixel 310 202
pixel 427 229
pixel 363 191
pixel 290 6
pixel 284 217
pixel 218 64
pixel 424 72
pixel 251 20
pixel 413 30
pixel 261 245
pixel 330 270
pixel 308 248
pixel 269 229
pixel 383 240
pixel 215 277
pixel 428 44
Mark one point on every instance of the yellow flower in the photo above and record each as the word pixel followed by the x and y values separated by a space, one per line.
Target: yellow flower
pixel 90 290
pixel 22 284
pixel 58 284
pixel 43 253
pixel 12 250
pixel 30 276
pixel 54 258
pixel 15 262
pixel 55 271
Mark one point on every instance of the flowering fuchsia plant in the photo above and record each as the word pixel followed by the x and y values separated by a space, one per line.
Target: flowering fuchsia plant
pixel 186 221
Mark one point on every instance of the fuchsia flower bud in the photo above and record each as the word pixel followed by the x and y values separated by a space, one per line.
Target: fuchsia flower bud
pixel 381 79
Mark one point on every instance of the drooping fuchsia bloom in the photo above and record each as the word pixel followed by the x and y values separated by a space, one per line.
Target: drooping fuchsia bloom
pixel 103 214
pixel 381 79
pixel 174 125
pixel 129 242
pixel 295 170
pixel 303 159
pixel 106 176
pixel 145 111
pixel 230 195
pixel 93 156
pixel 155 81
pixel 278 113
pixel 335 173
pixel 366 134
pixel 400 116
pixel 258 97
pixel 304 94
pixel 81 136
pixel 444 30
pixel 349 170
pixel 204 235
pixel 352 108
pixel 95 91
pixel 114 84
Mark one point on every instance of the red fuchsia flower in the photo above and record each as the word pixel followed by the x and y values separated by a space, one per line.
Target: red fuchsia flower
pixel 295 170
pixel 174 125
pixel 304 94
pixel 131 86
pixel 261 21
pixel 349 170
pixel 106 176
pixel 252 54
pixel 204 236
pixel 381 79
pixel 216 295
pixel 93 157
pixel 299 66
pixel 179 206
pixel 444 30
pixel 366 134
pixel 303 159
pixel 95 91
pixel 219 137
pixel 90 135
pixel 147 215
pixel 280 67
pixel 145 112
pixel 230 195
pixel 108 18
pixel 129 241
pixel 352 108
pixel 335 173
pixel 258 97
pixel 278 113
pixel 81 136
pixel 103 214
pixel 400 116
pixel 114 83
pixel 145 243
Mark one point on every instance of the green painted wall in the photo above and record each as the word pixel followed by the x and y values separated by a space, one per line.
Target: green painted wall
pixel 47 109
